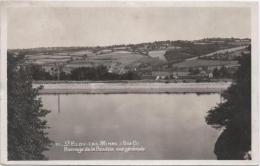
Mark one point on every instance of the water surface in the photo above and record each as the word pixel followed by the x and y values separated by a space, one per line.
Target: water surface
pixel 168 126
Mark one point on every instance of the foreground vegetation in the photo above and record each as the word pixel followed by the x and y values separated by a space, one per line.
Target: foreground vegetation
pixel 233 115
pixel 27 136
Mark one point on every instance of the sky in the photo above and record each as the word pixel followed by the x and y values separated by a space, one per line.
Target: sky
pixel 30 27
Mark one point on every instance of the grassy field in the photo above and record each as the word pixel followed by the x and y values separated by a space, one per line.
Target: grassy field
pixel 220 52
pixel 120 59
pixel 202 62
pixel 158 54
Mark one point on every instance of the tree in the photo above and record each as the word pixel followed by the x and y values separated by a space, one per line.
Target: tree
pixel 194 71
pixel 223 72
pixel 233 115
pixel 64 75
pixel 100 73
pixel 216 73
pixel 130 75
pixel 38 73
pixel 27 136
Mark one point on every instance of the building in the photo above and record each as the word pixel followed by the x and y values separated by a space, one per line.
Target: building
pixel 179 74
pixel 161 74
pixel 201 64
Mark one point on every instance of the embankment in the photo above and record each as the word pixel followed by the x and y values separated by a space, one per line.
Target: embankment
pixel 121 88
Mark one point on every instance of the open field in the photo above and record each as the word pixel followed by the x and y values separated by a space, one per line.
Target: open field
pixel 158 54
pixel 120 56
pixel 121 88
pixel 203 62
pixel 219 51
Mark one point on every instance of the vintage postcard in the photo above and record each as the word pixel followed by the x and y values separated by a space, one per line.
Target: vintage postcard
pixel 129 83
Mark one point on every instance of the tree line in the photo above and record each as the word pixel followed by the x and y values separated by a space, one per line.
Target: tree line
pixel 99 73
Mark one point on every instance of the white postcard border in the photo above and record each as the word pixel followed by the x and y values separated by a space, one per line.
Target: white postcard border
pixel 255 78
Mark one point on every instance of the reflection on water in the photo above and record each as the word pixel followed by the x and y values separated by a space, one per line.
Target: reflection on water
pixel 169 126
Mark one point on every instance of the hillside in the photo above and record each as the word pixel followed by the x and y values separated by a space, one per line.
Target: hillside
pixel 142 58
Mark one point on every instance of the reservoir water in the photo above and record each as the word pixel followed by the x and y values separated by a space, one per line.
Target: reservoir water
pixel 166 126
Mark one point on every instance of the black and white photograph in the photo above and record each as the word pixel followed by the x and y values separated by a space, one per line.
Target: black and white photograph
pixel 129 81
